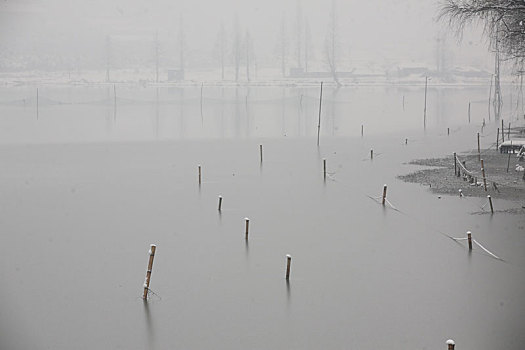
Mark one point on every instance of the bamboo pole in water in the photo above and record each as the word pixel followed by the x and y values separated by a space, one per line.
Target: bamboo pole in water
pixel 319 122
pixel 502 132
pixel 469 239
pixel 479 150
pixel 384 195
pixel 247 226
pixel 483 173
pixel 220 203
pixel 261 152
pixel 152 249
pixel 288 265
pixel 324 168
pixel 200 175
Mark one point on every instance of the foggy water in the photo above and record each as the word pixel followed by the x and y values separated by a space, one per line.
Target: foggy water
pixel 87 188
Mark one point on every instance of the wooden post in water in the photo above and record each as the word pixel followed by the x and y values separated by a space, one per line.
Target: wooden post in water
pixel 490 202
pixel 502 132
pixel 469 239
pixel 479 150
pixel 362 130
pixel 320 104
pixel 448 131
pixel 455 164
pixel 220 203
pixel 406 141
pixel 247 225
pixel 508 159
pixel 202 87
pixel 371 154
pixel 450 344
pixel 508 132
pixel 288 265
pixel 469 112
pixel 483 173
pixel 425 109
pixel 384 195
pixel 324 168
pixel 200 175
pixel 497 140
pixel 152 249
pixel 261 152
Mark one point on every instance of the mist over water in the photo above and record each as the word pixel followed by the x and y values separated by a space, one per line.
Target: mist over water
pixel 108 109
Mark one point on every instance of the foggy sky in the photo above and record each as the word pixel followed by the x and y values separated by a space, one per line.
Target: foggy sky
pixel 398 31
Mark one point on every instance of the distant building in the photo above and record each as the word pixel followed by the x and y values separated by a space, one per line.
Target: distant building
pixel 175 75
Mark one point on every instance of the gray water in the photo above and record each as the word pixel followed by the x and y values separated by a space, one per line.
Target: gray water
pixel 85 191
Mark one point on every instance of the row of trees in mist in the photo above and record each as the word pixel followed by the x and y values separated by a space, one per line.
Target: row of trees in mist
pixel 234 55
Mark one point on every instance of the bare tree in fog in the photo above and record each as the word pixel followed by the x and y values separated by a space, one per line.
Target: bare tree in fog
pixel 108 57
pixel 504 22
pixel 299 34
pixel 181 46
pixel 236 48
pixel 157 56
pixel 282 45
pixel 332 44
pixel 220 48
pixel 248 46
pixel 307 44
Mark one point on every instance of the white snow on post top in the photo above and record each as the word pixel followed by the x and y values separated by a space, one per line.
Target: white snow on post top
pixel 246 219
pixel 288 256
pixel 450 342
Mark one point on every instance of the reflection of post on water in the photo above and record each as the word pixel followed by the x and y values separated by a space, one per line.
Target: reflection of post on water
pixel 149 326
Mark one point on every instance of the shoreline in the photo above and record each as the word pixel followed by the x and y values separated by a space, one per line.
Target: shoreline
pixel 440 178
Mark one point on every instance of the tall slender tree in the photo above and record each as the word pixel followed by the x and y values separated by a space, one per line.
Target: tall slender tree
pixel 236 49
pixel 332 43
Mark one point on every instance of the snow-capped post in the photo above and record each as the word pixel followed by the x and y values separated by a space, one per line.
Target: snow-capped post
pixel 450 344
pixel 200 175
pixel 261 153
pixel 479 150
pixel 384 195
pixel 288 264
pixel 319 123
pixel 497 140
pixel 371 154
pixel 247 226
pixel 152 249
pixel 469 239
pixel 490 202
pixel 220 203
pixel 324 168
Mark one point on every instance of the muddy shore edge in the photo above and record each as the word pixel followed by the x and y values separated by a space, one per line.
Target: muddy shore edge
pixel 503 181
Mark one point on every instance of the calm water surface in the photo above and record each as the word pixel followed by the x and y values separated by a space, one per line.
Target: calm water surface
pixel 85 189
